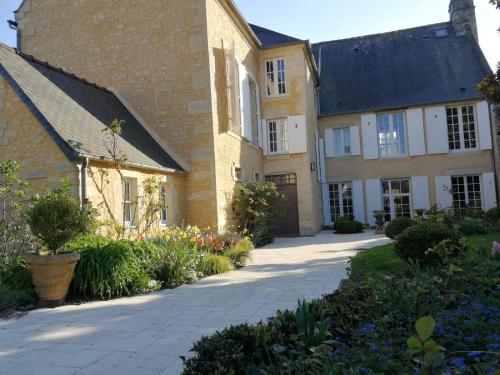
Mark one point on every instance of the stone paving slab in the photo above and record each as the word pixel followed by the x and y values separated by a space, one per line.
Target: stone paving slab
pixel 147 334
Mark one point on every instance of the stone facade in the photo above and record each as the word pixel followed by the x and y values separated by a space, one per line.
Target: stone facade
pixel 169 66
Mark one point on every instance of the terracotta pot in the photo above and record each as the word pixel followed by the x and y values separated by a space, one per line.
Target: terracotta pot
pixel 52 274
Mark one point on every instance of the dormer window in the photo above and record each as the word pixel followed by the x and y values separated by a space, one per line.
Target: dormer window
pixel 275 78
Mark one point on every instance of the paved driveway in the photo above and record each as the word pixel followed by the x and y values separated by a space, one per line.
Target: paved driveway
pixel 147 334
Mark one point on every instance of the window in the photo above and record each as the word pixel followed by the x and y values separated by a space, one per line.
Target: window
pixel 466 192
pixel 277 136
pixel 341 201
pixel 163 206
pixel 391 135
pixel 238 173
pixel 396 197
pixel 257 177
pixel 254 110
pixel 275 77
pixel 127 203
pixel 342 141
pixel 461 128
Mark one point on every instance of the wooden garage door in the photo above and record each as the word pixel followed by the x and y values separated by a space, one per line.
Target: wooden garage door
pixel 287 184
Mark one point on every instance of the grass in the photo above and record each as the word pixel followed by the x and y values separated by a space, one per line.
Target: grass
pixel 382 260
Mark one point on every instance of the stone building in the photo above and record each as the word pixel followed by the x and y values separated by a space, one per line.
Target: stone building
pixel 390 121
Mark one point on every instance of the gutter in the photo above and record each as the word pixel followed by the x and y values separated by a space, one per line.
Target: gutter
pixel 83 172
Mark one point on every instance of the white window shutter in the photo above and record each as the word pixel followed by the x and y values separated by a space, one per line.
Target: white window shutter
pixel 358 201
pixel 420 192
pixel 263 132
pixel 483 122
pixel 355 145
pixel 329 147
pixel 259 128
pixel 373 192
pixel 322 164
pixel 231 84
pixel 415 126
pixel 245 107
pixel 444 198
pixel 297 134
pixel 489 191
pixel 370 141
pixel 437 130
pixel 325 195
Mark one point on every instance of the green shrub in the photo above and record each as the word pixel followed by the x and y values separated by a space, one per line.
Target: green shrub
pixel 414 241
pixel 16 287
pixel 176 263
pixel 239 253
pixel 107 269
pixel 346 226
pixel 56 217
pixel 492 216
pixel 471 225
pixel 397 226
pixel 212 264
pixel 258 209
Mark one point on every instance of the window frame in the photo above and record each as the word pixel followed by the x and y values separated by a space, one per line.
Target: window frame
pixel 127 202
pixel 276 76
pixel 164 206
pixel 461 132
pixel 466 191
pixel 282 144
pixel 392 142
pixel 392 210
pixel 342 143
pixel 341 206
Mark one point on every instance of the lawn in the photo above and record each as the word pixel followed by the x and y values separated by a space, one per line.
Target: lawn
pixel 382 260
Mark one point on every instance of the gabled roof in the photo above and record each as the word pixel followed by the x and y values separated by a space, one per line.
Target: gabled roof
pixel 75 112
pixel 423 65
pixel 269 38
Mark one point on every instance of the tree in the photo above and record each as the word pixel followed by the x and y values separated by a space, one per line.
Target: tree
pixel 490 85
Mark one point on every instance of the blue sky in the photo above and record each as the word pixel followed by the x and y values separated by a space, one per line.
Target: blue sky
pixel 335 19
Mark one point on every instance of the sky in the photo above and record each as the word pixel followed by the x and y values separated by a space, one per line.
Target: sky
pixel 320 20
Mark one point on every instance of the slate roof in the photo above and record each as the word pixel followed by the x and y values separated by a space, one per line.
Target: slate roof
pixel 423 65
pixel 75 112
pixel 269 38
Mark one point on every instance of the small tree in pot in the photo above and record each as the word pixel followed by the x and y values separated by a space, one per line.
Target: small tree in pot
pixel 379 221
pixel 55 219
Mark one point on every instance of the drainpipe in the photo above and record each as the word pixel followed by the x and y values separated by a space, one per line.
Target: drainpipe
pixel 84 170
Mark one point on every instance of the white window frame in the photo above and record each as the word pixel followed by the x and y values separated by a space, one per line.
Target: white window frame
pixel 164 206
pixel 340 190
pixel 127 201
pixel 392 145
pixel 461 132
pixel 275 74
pixel 277 136
pixel 466 191
pixel 340 135
pixel 392 195
pixel 238 174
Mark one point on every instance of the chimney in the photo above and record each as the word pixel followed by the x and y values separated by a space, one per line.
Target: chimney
pixel 463 16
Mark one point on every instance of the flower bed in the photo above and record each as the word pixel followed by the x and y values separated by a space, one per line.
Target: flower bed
pixel 368 327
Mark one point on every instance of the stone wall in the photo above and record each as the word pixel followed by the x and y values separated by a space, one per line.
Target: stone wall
pixel 300 100
pixel 23 139
pixel 155 54
pixel 105 193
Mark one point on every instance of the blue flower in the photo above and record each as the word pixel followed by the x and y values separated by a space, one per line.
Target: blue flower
pixel 495 346
pixel 473 354
pixel 458 362
pixel 374 347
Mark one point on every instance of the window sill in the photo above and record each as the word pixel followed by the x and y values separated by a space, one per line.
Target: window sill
pixel 234 135
pixel 279 156
pixel 254 146
pixel 397 157
pixel 463 152
pixel 342 157
pixel 276 97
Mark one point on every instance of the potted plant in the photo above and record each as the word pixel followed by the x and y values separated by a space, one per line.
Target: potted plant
pixel 55 218
pixel 379 221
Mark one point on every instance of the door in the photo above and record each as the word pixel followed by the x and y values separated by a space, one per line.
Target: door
pixel 287 185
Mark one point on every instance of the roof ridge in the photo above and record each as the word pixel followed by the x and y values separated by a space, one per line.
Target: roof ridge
pixel 53 67
pixel 383 33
